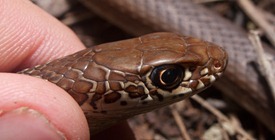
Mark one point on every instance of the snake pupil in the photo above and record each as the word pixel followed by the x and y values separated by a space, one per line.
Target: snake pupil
pixel 170 76
pixel 167 76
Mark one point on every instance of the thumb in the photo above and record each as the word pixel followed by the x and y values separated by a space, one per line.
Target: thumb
pixel 31 108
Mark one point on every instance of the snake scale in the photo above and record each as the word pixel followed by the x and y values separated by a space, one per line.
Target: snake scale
pixel 241 82
pixel 114 81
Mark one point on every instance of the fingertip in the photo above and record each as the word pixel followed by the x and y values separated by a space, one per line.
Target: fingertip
pixel 29 36
pixel 53 103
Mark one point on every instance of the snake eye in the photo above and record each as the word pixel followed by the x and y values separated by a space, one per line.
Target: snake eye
pixel 167 76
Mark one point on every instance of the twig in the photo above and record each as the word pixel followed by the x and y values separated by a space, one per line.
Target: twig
pixel 258 18
pixel 220 116
pixel 265 69
pixel 180 124
pixel 224 131
pixel 270 17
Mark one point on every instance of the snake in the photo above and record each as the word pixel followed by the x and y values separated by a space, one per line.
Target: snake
pixel 115 81
pixel 242 82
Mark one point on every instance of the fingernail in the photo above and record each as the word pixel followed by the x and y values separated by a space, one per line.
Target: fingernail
pixel 25 123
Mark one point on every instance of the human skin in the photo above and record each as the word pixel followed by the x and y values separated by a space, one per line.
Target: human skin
pixel 31 108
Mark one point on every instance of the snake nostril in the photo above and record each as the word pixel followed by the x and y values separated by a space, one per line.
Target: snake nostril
pixel 217 64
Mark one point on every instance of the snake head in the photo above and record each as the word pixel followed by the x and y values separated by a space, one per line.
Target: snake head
pixel 156 70
pixel 115 81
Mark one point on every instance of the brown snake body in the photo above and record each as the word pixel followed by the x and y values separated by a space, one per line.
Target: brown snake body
pixel 242 81
pixel 114 81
